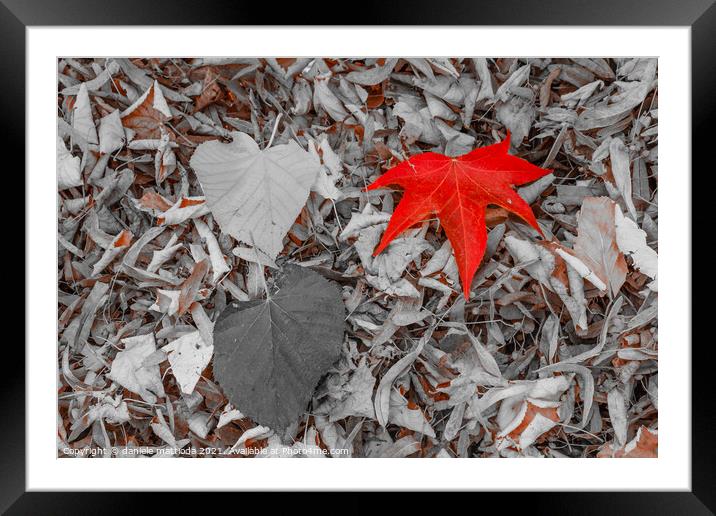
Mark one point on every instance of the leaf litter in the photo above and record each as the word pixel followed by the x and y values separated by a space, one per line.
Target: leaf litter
pixel 187 187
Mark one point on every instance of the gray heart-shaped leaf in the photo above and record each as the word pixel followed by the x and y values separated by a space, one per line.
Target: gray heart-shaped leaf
pixel 270 354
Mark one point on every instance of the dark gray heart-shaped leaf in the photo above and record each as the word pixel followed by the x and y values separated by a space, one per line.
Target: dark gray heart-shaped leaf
pixel 270 354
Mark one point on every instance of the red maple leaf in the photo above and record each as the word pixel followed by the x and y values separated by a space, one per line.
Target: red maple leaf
pixel 458 190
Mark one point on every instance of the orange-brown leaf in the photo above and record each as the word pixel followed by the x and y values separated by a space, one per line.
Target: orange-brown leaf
pixel 191 286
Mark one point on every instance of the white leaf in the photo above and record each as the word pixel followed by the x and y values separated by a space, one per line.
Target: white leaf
pixel 435 285
pixel 165 161
pixel 395 259
pixel 112 410
pixel 632 242
pixel 541 263
pixel 199 424
pixel 257 432
pixel 383 394
pixel 596 242
pixel 218 264
pixel 359 400
pixel 581 268
pixel 228 415
pixel 618 415
pixel 128 369
pixel 255 195
pixel 324 98
pixel 517 115
pixel 164 433
pixel 438 260
pixel 68 167
pixel 483 72
pixel 529 409
pixel 111 133
pixel 329 157
pixel 118 244
pixel 324 185
pixel 184 209
pixel 164 255
pixel 167 301
pixel 368 217
pixel 374 75
pixel 604 114
pixel 583 93
pixel 82 121
pixel 486 359
pixel 402 415
pixel 619 157
pixel 188 356
pixel 517 79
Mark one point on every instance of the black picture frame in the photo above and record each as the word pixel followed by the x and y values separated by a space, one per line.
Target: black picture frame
pixel 700 15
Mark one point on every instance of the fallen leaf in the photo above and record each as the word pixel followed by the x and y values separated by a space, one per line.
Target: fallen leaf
pixel 129 371
pixel 596 243
pixel 632 242
pixel 374 75
pixel 458 190
pixel 359 399
pixel 383 393
pixel 621 171
pixel 188 355
pixel 644 445
pixel 558 270
pixel 532 419
pixel 82 121
pixel 184 209
pixel 191 286
pixel 68 167
pixel 401 413
pixel 218 264
pixel 270 354
pixel 147 115
pixel 618 415
pixel 255 195
pixel 167 301
pixel 210 91
pixel 228 415
pixel 152 203
pixel 111 133
pixel 116 246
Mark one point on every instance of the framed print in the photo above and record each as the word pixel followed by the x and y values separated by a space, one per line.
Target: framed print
pixel 427 255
